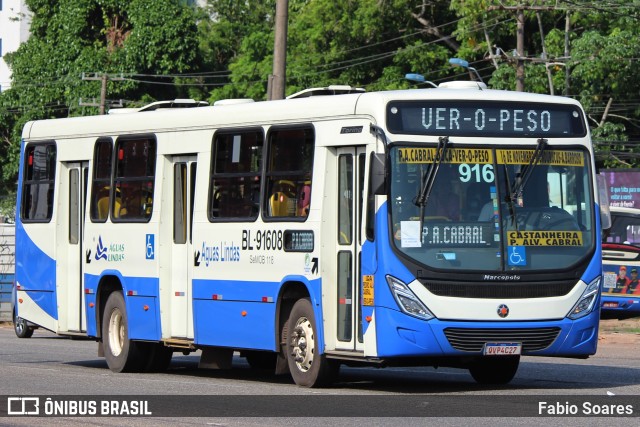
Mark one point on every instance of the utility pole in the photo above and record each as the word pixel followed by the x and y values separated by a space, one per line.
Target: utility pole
pixel 276 85
pixel 520 50
pixel 567 52
pixel 520 37
pixel 103 77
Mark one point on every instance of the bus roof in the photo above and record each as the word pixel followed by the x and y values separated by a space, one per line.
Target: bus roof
pixel 307 109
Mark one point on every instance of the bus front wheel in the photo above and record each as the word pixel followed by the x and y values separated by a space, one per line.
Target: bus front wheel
pixel 122 354
pixel 308 367
pixel 494 369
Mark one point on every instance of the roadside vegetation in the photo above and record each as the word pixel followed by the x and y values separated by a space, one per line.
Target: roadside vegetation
pixel 156 50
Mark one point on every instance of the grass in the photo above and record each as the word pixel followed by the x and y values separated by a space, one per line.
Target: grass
pixel 627 326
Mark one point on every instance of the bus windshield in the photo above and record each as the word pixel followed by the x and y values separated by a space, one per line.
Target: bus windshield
pixel 491 209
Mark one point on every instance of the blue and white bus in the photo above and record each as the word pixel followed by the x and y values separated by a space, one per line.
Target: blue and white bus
pixel 455 226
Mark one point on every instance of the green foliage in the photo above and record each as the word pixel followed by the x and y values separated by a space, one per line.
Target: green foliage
pixel 136 38
pixel 167 49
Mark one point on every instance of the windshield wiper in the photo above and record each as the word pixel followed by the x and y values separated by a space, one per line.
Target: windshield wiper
pixel 429 178
pixel 521 181
pixel 525 172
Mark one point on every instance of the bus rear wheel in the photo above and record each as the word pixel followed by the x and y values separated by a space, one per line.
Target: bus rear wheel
pixel 308 367
pixel 21 327
pixel 494 369
pixel 122 354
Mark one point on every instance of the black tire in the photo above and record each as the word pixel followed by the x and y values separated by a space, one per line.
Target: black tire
pixel 261 360
pixel 308 368
pixel 122 354
pixel 494 369
pixel 158 356
pixel 21 327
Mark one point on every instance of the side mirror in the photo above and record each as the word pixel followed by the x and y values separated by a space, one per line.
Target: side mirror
pixel 377 178
pixel 603 202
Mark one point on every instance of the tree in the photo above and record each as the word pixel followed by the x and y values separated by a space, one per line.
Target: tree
pixel 608 90
pixel 600 67
pixel 143 40
pixel 368 43
pixel 225 51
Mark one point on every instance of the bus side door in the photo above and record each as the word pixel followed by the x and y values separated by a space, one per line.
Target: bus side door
pixel 70 262
pixel 349 194
pixel 183 180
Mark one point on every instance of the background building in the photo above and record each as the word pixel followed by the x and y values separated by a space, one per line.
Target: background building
pixel 15 20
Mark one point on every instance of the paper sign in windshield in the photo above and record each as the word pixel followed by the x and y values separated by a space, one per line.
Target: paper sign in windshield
pixel 549 157
pixel 452 155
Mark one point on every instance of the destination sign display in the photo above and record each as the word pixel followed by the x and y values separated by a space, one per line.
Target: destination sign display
pixel 298 241
pixel 485 118
pixel 470 235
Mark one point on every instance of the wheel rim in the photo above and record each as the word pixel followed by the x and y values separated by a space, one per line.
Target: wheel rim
pixel 116 332
pixel 303 344
pixel 19 325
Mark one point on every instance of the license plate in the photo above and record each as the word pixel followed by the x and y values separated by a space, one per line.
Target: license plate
pixel 610 305
pixel 502 348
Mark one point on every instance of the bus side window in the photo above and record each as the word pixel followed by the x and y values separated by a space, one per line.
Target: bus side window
pixel 101 179
pixel 134 178
pixel 38 182
pixel 289 167
pixel 236 173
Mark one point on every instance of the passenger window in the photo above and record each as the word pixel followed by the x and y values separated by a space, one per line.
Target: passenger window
pixel 236 175
pixel 288 174
pixel 134 180
pixel 38 184
pixel 101 184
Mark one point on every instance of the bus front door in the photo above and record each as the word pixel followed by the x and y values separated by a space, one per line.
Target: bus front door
pixel 70 253
pixel 351 172
pixel 183 192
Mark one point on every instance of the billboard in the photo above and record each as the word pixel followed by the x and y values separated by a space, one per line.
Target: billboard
pixel 623 187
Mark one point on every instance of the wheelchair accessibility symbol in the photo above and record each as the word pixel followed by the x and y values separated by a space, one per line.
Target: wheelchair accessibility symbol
pixel 517 255
pixel 151 246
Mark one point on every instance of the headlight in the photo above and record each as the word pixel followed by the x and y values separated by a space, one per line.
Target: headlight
pixel 586 302
pixel 407 300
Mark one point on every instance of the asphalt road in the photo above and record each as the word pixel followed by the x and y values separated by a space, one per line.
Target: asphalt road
pixel 48 365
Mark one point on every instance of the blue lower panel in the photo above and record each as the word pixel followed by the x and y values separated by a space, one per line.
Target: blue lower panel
pixel 35 271
pixel 235 324
pixel 143 319
pixel 91 310
pixel 144 323
pixel 402 335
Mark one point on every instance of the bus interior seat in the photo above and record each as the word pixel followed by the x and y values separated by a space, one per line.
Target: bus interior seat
pixel 281 204
pixel 103 207
pixel 118 209
pixel 304 199
pixel 283 201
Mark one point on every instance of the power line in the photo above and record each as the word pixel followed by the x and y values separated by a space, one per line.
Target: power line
pixel 103 78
